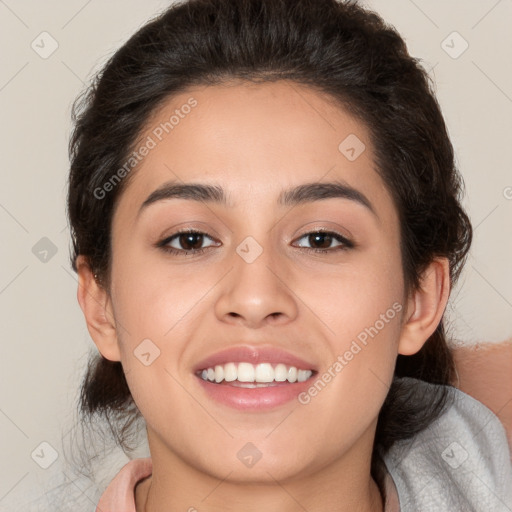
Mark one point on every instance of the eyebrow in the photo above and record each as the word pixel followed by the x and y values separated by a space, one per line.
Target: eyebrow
pixel 305 193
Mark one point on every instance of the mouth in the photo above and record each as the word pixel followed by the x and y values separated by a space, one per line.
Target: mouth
pixel 250 379
pixel 248 375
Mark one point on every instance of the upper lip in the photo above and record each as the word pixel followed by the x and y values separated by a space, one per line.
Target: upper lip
pixel 254 355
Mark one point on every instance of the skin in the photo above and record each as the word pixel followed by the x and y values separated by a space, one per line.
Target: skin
pixel 254 141
pixel 485 372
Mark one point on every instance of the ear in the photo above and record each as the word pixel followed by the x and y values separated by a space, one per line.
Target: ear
pixel 425 307
pixel 97 308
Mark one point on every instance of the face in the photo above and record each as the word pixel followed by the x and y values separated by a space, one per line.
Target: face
pixel 259 275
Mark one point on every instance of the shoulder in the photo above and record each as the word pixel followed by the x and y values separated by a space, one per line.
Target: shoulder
pixel 462 461
pixel 484 371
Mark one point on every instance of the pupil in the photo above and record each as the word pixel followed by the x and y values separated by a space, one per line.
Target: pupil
pixel 325 237
pixel 187 237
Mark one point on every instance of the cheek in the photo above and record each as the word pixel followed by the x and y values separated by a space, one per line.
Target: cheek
pixel 361 309
pixel 353 296
pixel 356 380
pixel 152 298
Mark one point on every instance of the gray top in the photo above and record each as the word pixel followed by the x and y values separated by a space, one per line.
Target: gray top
pixel 461 462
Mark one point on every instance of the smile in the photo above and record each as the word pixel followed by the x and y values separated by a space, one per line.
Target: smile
pixel 254 387
pixel 263 374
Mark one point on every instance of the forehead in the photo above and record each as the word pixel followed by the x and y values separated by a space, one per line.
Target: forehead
pixel 256 140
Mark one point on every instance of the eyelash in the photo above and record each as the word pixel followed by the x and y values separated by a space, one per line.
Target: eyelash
pixel 347 244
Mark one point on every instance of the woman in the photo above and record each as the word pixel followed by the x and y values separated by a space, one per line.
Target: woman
pixel 266 226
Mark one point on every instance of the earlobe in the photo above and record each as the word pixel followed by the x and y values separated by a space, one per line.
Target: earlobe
pixel 425 307
pixel 96 305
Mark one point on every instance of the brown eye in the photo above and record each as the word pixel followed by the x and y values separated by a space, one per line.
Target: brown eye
pixel 321 241
pixel 185 242
pixel 190 241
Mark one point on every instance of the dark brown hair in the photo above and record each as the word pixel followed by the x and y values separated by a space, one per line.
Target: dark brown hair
pixel 338 48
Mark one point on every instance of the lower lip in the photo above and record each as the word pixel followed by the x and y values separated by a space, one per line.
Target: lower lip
pixel 254 398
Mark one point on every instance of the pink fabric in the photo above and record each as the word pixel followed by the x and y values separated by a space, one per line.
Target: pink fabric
pixel 120 494
pixel 392 502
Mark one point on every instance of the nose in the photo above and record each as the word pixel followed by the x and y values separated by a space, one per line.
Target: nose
pixel 258 291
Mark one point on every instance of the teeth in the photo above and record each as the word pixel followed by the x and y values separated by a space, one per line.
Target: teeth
pixel 230 373
pixel 292 374
pixel 303 375
pixel 246 372
pixel 280 372
pixel 259 373
pixel 219 373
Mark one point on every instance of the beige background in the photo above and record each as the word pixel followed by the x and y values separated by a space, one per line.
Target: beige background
pixel 44 339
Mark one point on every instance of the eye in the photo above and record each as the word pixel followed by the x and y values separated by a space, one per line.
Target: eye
pixel 324 239
pixel 188 241
pixel 191 242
